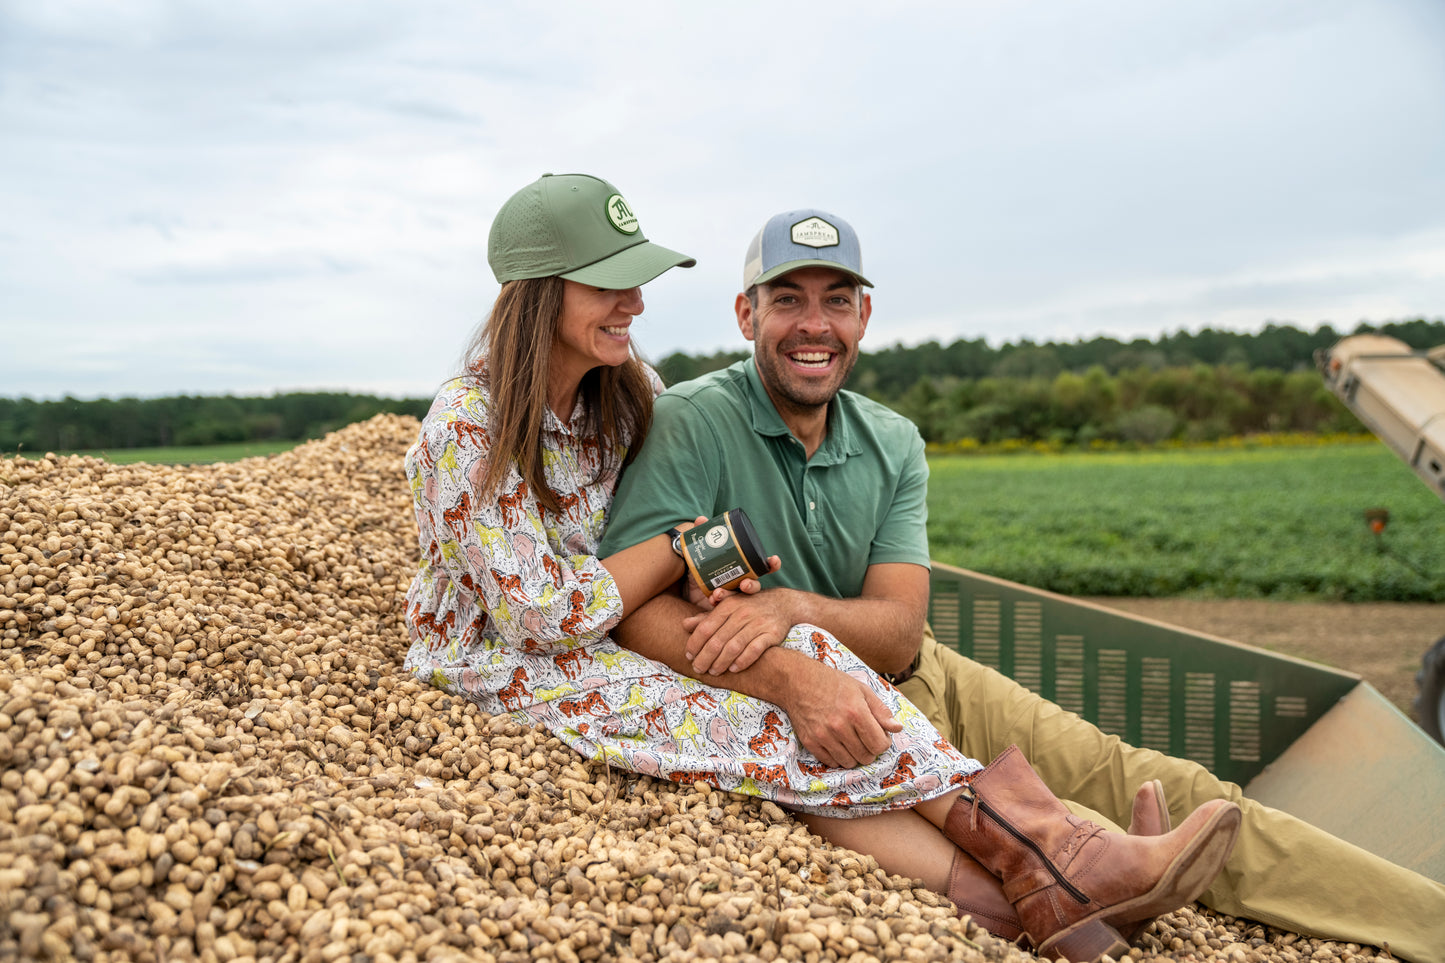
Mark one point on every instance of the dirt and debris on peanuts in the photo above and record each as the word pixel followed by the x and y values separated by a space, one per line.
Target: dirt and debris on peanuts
pixel 210 751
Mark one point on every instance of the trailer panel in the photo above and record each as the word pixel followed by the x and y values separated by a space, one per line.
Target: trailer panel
pixel 1312 740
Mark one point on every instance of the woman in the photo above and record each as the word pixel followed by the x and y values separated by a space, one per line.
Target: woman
pixel 513 476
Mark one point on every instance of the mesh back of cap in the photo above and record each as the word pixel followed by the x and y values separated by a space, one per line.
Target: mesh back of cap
pixel 523 242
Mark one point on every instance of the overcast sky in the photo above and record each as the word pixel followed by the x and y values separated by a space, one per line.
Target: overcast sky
pixel 213 197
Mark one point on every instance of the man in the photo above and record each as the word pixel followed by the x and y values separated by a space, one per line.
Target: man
pixel 836 486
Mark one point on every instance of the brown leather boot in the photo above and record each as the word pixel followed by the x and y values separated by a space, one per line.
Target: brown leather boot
pixel 978 894
pixel 1150 817
pixel 1071 882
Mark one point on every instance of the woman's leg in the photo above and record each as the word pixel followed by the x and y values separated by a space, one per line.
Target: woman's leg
pixel 906 844
pixel 903 842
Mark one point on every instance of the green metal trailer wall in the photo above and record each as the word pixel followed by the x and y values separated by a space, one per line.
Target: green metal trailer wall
pixel 1315 741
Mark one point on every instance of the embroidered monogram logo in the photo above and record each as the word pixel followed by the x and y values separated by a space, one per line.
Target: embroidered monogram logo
pixel 620 215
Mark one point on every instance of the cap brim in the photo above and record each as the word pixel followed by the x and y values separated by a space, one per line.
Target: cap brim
pixel 787 267
pixel 631 267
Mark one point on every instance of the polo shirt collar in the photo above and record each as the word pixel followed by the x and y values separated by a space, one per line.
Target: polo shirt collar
pixel 837 444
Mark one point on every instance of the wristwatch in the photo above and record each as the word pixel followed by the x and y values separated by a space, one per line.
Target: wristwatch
pixel 674 535
pixel 898 678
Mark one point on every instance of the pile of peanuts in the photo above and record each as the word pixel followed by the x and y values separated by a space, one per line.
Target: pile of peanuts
pixel 210 752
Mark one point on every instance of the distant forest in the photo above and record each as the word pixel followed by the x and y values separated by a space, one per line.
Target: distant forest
pixel 1193 386
pixel 68 425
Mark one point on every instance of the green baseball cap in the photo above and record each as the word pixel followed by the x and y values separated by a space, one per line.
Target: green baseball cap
pixel 578 227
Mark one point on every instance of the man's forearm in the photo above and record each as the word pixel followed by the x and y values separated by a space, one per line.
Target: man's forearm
pixel 884 633
pixel 655 631
pixel 883 625
pixel 836 718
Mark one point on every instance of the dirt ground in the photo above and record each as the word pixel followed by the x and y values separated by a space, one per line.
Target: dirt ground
pixel 1382 642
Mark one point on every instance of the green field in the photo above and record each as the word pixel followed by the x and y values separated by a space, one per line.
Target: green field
pixel 1282 523
pixel 183 455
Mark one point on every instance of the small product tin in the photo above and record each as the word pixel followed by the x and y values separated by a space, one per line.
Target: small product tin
pixel 723 551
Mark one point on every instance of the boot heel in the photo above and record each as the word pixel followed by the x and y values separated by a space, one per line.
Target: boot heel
pixel 1085 943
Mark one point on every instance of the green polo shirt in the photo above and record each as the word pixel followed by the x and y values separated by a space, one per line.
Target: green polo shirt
pixel 718 443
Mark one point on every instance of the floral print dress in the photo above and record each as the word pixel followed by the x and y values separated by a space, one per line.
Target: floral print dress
pixel 511 608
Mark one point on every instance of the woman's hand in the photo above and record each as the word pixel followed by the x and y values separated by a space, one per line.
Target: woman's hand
pixel 748 586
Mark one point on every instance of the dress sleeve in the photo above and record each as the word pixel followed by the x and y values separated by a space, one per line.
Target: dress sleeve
pixel 541 598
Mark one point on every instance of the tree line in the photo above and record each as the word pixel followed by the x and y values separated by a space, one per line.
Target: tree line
pixel 70 424
pixel 1196 386
pixel 890 372
pixel 1192 386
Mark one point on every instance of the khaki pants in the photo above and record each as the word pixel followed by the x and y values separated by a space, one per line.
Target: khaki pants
pixel 1283 871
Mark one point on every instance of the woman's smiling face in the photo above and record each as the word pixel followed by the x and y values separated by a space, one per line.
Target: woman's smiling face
pixel 592 331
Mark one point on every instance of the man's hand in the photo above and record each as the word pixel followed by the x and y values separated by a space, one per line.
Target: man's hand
pixel 737 630
pixel 839 719
pixel 835 717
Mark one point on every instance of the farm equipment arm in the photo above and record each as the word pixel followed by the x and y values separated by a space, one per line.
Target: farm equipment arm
pixel 1399 394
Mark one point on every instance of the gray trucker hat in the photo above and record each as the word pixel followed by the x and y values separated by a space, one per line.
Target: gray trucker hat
pixel 803 238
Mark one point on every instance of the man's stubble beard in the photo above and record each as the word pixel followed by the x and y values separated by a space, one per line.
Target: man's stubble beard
pixel 780 388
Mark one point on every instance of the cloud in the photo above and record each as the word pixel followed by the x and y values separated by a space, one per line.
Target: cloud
pixel 203 197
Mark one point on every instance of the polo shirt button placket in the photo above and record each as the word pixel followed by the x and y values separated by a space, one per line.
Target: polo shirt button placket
pixel 814 531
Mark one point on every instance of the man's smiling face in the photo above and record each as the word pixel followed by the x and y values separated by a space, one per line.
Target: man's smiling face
pixel 805 328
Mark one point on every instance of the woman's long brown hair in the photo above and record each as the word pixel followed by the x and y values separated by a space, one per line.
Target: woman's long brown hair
pixel 515 344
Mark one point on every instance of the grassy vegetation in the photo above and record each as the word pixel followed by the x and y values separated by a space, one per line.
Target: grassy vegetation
pixel 1282 523
pixel 183 455
pixel 1272 522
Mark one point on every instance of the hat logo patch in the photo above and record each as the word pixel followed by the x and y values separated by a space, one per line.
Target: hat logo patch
pixel 815 232
pixel 619 214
